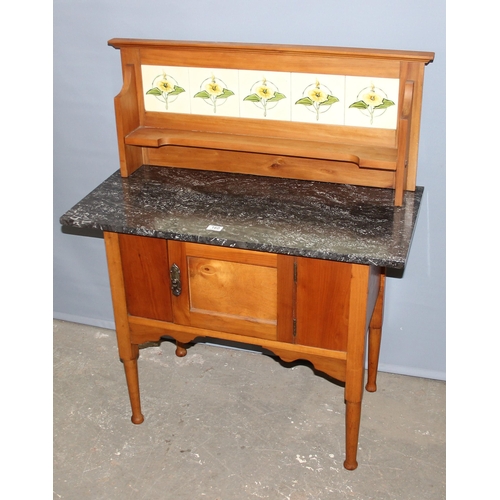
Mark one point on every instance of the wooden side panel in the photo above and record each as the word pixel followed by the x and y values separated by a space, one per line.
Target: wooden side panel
pixel 146 276
pixel 322 315
pixel 128 113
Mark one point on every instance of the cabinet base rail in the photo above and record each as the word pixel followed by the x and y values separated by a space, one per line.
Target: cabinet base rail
pixel 332 363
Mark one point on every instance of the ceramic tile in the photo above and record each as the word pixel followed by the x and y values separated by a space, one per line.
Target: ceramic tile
pixel 371 102
pixel 166 89
pixel 265 95
pixel 214 92
pixel 301 97
pixel 318 98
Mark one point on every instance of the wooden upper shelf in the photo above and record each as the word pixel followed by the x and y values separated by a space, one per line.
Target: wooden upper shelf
pixel 362 156
pixel 368 153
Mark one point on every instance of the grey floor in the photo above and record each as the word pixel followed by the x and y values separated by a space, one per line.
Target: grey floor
pixel 225 424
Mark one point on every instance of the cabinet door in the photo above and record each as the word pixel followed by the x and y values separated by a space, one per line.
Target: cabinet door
pixel 232 290
pixel 146 277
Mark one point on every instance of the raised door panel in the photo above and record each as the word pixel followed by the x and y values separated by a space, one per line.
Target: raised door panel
pixel 227 289
pixel 232 289
pixel 322 309
pixel 146 276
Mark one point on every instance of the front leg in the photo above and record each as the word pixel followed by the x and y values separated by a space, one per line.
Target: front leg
pixel 355 369
pixel 128 352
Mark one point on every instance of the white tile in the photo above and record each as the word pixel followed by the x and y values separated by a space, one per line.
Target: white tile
pixel 214 92
pixel 375 102
pixel 255 85
pixel 318 98
pixel 168 88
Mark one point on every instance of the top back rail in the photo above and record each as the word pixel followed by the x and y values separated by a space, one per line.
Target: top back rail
pixel 317 113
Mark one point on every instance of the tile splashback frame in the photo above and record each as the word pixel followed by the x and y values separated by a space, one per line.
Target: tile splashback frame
pixel 293 85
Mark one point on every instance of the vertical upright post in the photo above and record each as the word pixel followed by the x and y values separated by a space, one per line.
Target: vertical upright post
pixel 358 302
pixel 127 351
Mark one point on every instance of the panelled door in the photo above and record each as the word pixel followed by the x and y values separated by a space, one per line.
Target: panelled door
pixel 230 290
pixel 215 288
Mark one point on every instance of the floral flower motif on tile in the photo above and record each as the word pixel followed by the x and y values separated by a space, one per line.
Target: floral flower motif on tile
pixel 318 98
pixel 165 88
pixel 265 95
pixel 372 102
pixel 214 92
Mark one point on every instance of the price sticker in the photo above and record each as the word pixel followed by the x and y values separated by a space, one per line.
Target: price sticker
pixel 213 227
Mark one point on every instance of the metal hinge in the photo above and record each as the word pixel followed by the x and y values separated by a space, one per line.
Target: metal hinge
pixel 294 321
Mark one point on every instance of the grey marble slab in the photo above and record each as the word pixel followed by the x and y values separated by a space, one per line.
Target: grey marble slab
pixel 303 218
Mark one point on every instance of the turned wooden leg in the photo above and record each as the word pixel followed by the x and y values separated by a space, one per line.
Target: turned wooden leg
pixel 375 338
pixel 352 422
pixel 181 350
pixel 355 369
pixel 132 376
pixel 128 352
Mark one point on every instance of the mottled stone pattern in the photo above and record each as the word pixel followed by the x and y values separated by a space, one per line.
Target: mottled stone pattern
pixel 304 218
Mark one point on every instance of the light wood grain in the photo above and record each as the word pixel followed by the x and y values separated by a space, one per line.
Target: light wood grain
pixel 295 307
pixel 390 156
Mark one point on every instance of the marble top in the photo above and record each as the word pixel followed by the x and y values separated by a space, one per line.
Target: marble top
pixel 304 218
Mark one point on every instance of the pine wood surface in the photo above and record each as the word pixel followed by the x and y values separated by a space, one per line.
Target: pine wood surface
pixel 295 307
pixel 351 148
pixel 298 308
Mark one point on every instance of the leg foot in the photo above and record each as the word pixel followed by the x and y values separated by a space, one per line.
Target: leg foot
pixel 181 350
pixel 137 419
pixel 350 466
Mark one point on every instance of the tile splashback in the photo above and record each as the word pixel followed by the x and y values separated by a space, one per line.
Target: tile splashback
pixel 297 97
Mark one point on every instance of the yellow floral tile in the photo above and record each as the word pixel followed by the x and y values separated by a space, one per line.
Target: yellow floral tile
pixel 371 102
pixel 318 98
pixel 265 95
pixel 166 89
pixel 300 97
pixel 214 92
